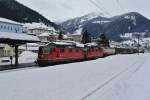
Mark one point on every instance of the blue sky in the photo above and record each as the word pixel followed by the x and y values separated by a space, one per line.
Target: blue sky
pixel 60 10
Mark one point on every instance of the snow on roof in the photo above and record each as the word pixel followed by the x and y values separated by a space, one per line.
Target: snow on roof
pixel 8 21
pixel 68 43
pixel 79 44
pixel 28 48
pixel 18 36
pixel 91 44
pixel 39 26
pixel 65 36
pixel 62 43
pixel 33 44
pixel 78 31
pixel 47 34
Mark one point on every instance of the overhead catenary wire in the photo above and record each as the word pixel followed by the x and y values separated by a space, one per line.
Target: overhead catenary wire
pixel 120 5
pixel 108 13
pixel 101 9
pixel 93 3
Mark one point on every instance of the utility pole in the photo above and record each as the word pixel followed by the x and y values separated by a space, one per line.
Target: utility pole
pixel 138 42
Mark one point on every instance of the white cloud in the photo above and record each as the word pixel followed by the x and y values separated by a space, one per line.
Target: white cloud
pixel 65 9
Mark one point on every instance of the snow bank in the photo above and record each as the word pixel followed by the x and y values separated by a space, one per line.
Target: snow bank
pixel 27 57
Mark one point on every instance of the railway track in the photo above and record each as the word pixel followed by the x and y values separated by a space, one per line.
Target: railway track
pixel 29 65
pixel 20 66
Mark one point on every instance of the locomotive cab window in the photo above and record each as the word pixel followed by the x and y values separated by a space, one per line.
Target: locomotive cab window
pixel 47 50
pixel 62 50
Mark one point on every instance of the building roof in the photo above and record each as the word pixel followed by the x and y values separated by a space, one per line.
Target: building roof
pixel 46 34
pixel 67 43
pixel 4 20
pixel 30 46
pixel 93 44
pixel 34 25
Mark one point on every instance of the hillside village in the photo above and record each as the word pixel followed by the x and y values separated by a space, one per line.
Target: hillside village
pixel 40 30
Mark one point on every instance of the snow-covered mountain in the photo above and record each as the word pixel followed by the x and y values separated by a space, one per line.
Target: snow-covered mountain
pixel 113 27
pixel 76 25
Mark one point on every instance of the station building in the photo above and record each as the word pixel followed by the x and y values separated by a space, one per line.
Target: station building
pixel 8 26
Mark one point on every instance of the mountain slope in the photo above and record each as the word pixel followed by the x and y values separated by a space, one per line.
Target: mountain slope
pixel 80 22
pixel 13 10
pixel 113 27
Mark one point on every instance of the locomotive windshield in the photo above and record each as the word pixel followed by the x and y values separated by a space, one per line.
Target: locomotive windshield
pixel 45 50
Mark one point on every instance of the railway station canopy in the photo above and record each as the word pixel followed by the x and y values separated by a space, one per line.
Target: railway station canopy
pixel 17 38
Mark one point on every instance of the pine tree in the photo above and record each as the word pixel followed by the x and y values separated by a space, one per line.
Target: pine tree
pixel 86 37
pixel 60 36
pixel 103 41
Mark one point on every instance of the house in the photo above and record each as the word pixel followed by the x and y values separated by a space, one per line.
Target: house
pixel 37 28
pixel 46 37
pixel 7 25
pixel 75 37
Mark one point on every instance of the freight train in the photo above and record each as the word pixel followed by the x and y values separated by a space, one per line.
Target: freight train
pixel 69 51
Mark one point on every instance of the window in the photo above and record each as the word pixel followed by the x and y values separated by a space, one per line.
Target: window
pixel 62 50
pixel 77 50
pixel 4 27
pixel 92 49
pixel 47 50
pixel 96 50
pixel 16 30
pixel 54 50
pixel 70 50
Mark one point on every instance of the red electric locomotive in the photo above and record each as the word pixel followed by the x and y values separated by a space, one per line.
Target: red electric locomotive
pixel 93 51
pixel 67 51
pixel 59 51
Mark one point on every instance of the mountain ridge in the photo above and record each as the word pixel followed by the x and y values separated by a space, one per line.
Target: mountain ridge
pixel 112 27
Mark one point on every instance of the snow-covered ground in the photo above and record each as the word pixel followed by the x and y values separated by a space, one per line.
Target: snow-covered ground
pixel 119 77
